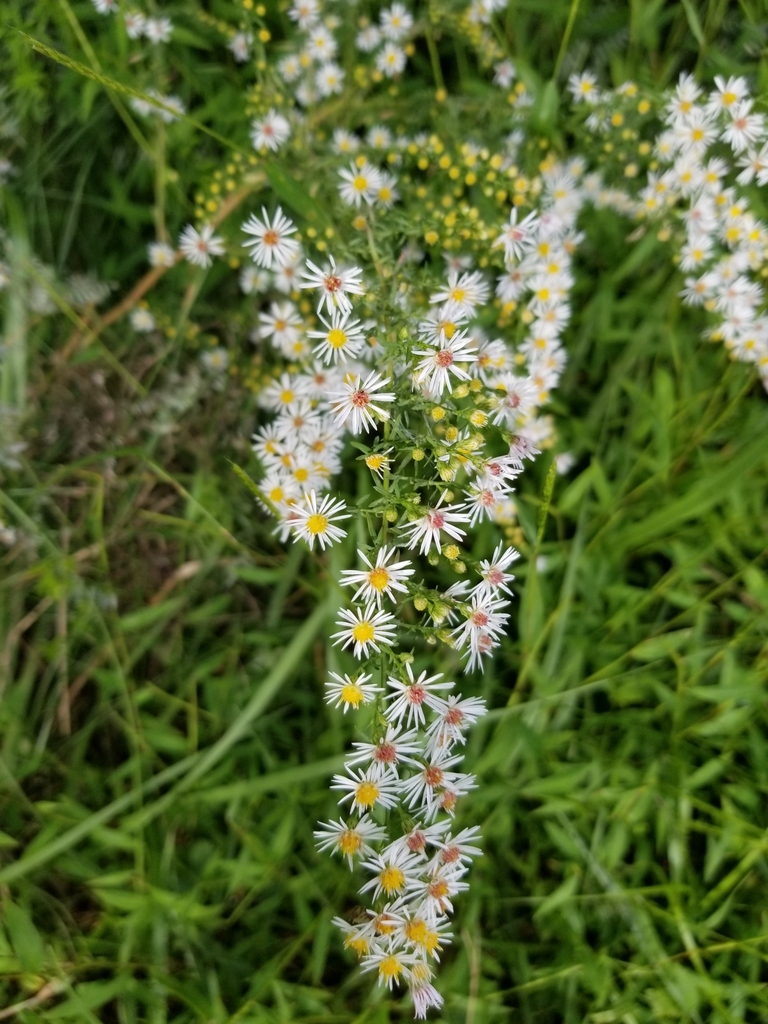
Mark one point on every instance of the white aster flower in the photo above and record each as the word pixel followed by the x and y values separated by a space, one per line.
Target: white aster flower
pixel 240 46
pixel 336 284
pixel 317 522
pixel 329 80
pixel 359 183
pixel 410 698
pixel 434 371
pixel 358 401
pixel 368 789
pixel 380 578
pixel 271 131
pixel 198 246
pixel 428 529
pixel 341 339
pixel 158 30
pixel 364 628
pixel 349 840
pixel 161 254
pixel 271 244
pixel 134 22
pixel 142 320
pixel 351 693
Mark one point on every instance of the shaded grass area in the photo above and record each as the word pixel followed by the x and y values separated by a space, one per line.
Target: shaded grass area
pixel 165 750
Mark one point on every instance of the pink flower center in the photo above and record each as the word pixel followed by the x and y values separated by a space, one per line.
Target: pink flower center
pixel 416 841
pixel 444 358
pixel 433 775
pixel 484 644
pixel 386 753
pixel 332 283
pixel 454 716
pixel 487 499
pixel 436 520
pixel 494 577
pixel 450 855
pixel 416 695
pixel 479 619
pixel 360 399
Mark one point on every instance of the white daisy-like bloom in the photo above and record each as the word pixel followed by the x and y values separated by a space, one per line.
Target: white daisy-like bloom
pixel 428 529
pixel 335 283
pixel 197 247
pixel 365 628
pixel 345 142
pixel 289 68
pixel 378 462
pixel 447 799
pixel 282 324
pixel 386 190
pixel 696 133
pixel 368 39
pixel 392 871
pixel 390 60
pixel 421 789
pixel 305 13
pixel 410 698
pixel 321 44
pixel 518 400
pixel 379 137
pixel 358 402
pixel 446 320
pixel 504 73
pixel 105 6
pixel 368 789
pixel 142 320
pixel 421 836
pixel 436 890
pixel 494 572
pixel 175 103
pixel 215 359
pixel 271 244
pixel 282 392
pixel 518 238
pixel 424 995
pixel 240 46
pixel 341 339
pixel 391 965
pixel 254 279
pixel 271 131
pixel 359 183
pixel 161 254
pixel 395 21
pixel 381 578
pixel 584 88
pixel 134 22
pixel 287 277
pixel 463 292
pixel 437 365
pixel 343 691
pixel 745 128
pixel 393 748
pixel 454 717
pixel 483 616
pixel 329 80
pixel 317 522
pixel 483 500
pixel 727 93
pixel 458 849
pixel 158 30
pixel 350 840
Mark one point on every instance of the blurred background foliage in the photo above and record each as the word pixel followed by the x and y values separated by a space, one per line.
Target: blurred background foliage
pixel 164 747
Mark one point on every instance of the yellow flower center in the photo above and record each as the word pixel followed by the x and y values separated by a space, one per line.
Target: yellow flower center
pixel 349 842
pixel 352 694
pixel 367 794
pixel 392 880
pixel 416 931
pixel 337 338
pixel 458 294
pixel 360 183
pixel 358 943
pixel 317 523
pixel 697 134
pixel 729 98
pixel 431 942
pixel 378 578
pixel 390 967
pixel 301 475
pixel 363 633
pixel 286 397
pixel 276 494
pixel 375 461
